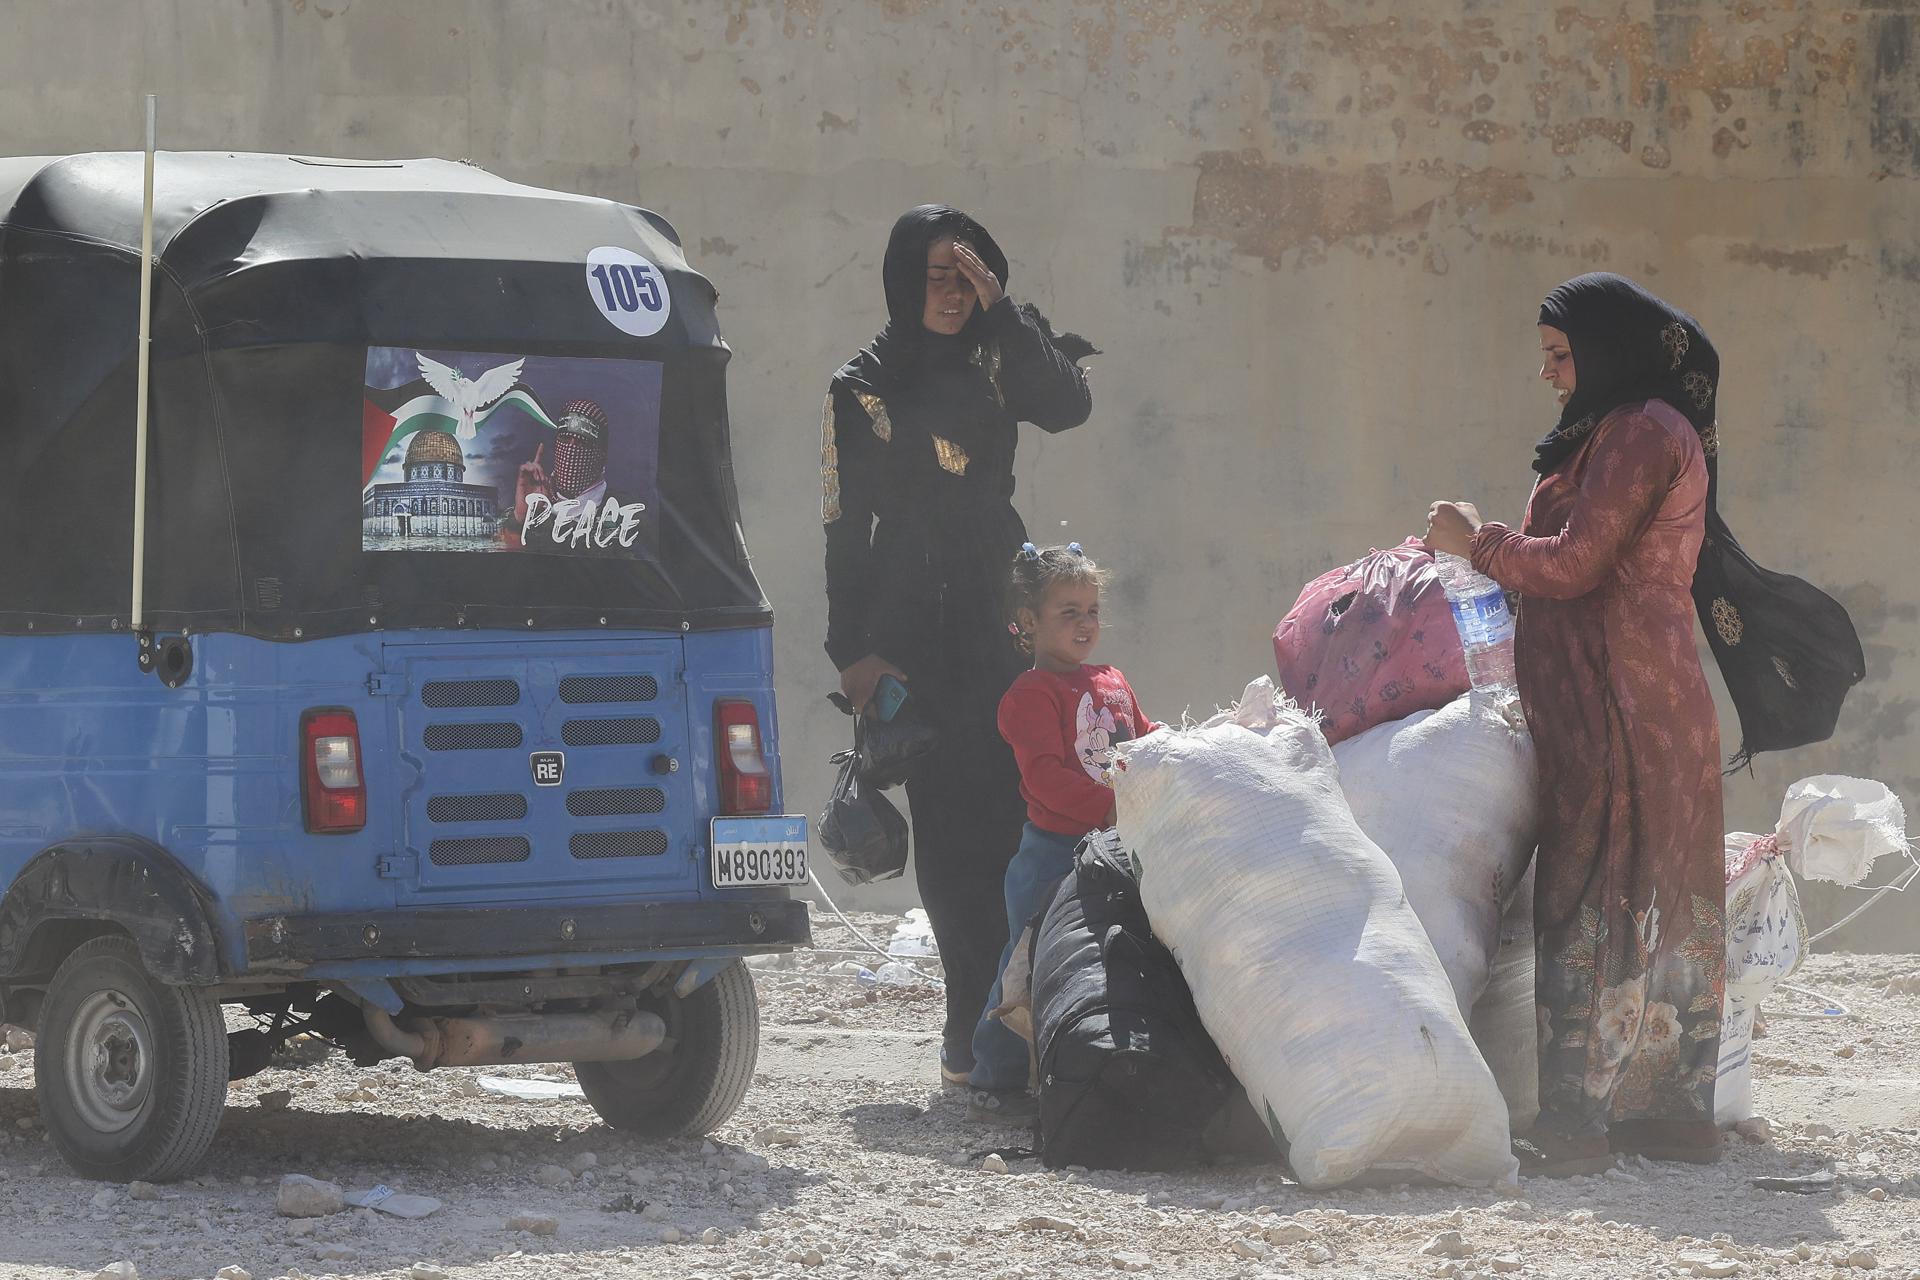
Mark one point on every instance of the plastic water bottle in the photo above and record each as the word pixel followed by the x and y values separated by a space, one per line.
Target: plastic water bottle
pixel 1480 616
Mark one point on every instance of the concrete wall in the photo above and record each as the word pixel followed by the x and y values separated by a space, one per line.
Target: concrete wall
pixel 1310 234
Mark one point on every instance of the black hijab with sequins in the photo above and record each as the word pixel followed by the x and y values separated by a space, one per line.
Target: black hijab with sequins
pixel 1787 651
pixel 905 352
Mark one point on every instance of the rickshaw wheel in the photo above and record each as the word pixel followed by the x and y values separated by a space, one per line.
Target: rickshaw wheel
pixel 131 1074
pixel 696 1081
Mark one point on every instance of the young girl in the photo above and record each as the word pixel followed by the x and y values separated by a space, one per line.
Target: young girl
pixel 1062 719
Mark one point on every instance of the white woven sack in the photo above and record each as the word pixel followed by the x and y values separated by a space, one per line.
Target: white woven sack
pixel 1766 941
pixel 1307 966
pixel 1449 796
pixel 1834 827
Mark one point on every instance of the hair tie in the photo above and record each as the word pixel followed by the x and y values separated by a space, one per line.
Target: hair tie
pixel 1029 552
pixel 1074 547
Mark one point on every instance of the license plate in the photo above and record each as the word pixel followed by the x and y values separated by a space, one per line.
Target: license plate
pixel 754 851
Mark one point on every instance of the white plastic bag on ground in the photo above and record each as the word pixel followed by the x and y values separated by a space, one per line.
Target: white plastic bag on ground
pixel 1835 828
pixel 1766 941
pixel 1307 966
pixel 1504 1022
pixel 914 937
pixel 1449 797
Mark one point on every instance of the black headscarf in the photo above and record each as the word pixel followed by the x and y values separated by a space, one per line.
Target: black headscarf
pixel 906 347
pixel 1788 651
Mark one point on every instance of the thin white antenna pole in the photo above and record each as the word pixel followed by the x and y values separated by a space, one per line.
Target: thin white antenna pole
pixel 140 390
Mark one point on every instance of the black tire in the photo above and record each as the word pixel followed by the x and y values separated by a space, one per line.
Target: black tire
pixel 131 1073
pixel 693 1086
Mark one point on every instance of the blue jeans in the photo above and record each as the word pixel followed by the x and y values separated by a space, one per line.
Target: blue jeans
pixel 999 1055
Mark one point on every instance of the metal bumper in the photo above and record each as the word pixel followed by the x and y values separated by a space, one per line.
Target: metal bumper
pixel 276 942
pixel 609 1035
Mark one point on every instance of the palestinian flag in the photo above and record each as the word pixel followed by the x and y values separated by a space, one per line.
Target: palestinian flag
pixel 520 396
pixel 391 414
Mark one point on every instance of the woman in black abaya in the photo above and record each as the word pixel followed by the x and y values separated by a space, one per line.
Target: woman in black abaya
pixel 917 451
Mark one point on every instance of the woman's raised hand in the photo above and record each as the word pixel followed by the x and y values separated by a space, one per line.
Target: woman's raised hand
pixel 985 283
pixel 1451 526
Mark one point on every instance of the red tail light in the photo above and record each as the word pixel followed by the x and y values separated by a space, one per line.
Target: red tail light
pixel 746 784
pixel 332 785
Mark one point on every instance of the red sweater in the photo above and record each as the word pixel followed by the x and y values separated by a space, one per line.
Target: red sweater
pixel 1062 727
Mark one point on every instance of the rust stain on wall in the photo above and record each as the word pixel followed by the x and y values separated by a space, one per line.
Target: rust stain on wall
pixel 1438 68
pixel 1566 138
pixel 1795 262
pixel 1713 64
pixel 1495 190
pixel 1265 209
pixel 1592 252
pixel 1452 74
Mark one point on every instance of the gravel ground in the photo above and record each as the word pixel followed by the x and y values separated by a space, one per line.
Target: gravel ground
pixel 849 1161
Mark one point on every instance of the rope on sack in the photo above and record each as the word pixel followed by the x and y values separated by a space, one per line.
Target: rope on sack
pixel 1882 892
pixel 1834 1010
pixel 871 945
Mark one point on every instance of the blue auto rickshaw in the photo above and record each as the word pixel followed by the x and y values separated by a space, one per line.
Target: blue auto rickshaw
pixel 431 711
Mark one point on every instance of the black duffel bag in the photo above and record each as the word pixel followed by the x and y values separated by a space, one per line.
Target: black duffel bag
pixel 1129 1078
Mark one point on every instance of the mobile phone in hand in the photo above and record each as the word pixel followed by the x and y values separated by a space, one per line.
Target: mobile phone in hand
pixel 889 695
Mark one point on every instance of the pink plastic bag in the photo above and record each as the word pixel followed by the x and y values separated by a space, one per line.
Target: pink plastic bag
pixel 1372 642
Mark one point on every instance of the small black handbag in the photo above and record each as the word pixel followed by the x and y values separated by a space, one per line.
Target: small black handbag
pixel 885 750
pixel 861 830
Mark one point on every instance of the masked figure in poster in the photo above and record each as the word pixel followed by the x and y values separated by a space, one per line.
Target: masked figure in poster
pixel 578 469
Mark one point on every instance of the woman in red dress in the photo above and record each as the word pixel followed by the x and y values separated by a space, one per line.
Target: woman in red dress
pixel 1620 548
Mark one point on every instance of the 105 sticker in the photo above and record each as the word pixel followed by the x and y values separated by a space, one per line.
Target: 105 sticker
pixel 629 290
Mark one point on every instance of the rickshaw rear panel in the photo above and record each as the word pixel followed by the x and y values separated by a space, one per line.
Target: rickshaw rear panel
pixel 449 729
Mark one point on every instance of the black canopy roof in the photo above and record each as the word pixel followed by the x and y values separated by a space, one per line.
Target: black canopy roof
pixel 274 276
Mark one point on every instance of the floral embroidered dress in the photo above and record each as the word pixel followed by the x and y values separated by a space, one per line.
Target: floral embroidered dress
pixel 1629 903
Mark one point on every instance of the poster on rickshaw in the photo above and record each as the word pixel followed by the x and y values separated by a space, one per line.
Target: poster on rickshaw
pixel 485 452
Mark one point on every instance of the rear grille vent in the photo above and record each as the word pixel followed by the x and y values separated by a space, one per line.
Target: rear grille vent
pixel 470 693
pixel 473 737
pixel 608 733
pixel 604 804
pixel 609 689
pixel 497 808
pixel 467 853
pixel 618 844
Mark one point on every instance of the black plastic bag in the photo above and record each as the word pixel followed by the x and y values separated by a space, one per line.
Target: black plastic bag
pixel 887 749
pixel 861 830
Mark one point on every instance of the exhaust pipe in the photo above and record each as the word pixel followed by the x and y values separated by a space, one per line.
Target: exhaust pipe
pixel 603 1036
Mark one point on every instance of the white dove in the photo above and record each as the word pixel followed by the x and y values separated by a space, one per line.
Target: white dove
pixel 468 395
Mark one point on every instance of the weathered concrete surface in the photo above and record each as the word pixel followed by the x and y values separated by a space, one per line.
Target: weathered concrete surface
pixel 1311 235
